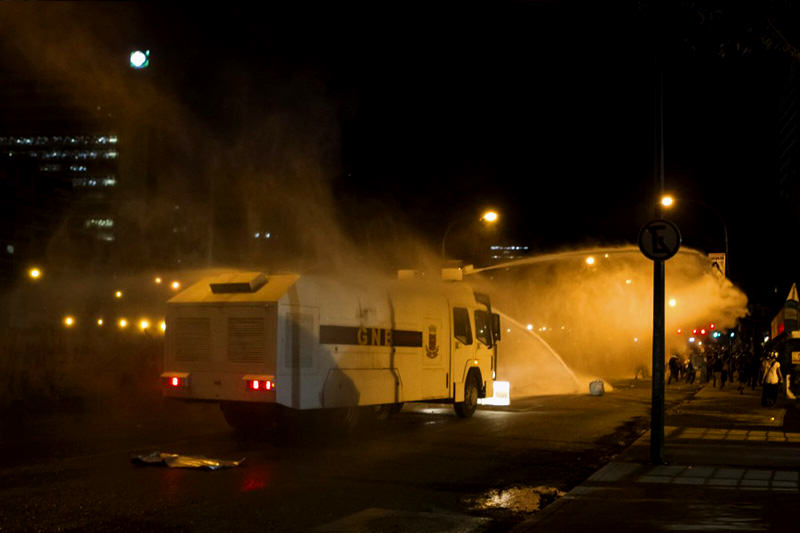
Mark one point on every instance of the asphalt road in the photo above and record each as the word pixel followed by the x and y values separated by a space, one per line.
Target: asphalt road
pixel 424 469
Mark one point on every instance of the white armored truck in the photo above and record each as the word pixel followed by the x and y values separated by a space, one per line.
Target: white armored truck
pixel 313 342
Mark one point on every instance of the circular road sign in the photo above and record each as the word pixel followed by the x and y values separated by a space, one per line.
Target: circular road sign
pixel 659 240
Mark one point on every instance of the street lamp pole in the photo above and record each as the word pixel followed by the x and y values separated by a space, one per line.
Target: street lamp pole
pixel 659 341
pixel 667 201
pixel 489 216
pixel 724 232
pixel 444 238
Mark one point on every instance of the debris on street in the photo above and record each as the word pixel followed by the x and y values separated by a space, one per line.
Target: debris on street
pixel 174 460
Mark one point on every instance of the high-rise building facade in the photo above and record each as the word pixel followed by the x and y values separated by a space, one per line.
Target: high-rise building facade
pixel 59 173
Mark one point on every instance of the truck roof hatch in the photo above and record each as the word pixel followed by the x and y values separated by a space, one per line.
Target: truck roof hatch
pixel 238 283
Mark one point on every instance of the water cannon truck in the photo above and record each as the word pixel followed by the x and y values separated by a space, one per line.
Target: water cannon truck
pixel 253 341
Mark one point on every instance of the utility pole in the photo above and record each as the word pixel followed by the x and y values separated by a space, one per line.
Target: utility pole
pixel 657 396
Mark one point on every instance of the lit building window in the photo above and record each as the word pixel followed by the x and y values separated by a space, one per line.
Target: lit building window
pixel 108 181
pixel 99 223
pixel 508 252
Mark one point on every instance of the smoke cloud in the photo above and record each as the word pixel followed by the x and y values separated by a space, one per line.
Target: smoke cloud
pixel 209 173
pixel 598 316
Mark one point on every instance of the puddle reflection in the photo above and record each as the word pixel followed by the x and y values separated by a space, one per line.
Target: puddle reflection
pixel 517 499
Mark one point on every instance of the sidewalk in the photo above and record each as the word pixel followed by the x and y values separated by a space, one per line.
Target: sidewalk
pixel 731 467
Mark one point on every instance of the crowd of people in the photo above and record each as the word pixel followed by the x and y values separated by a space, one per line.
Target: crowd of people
pixel 721 366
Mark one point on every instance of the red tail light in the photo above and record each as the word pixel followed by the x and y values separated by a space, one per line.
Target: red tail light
pixel 260 384
pixel 175 380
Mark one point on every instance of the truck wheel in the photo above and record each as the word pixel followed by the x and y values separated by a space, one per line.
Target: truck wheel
pixel 346 418
pixel 235 415
pixel 381 412
pixel 249 418
pixel 466 408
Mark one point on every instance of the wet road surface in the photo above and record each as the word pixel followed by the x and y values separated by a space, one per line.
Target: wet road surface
pixel 422 469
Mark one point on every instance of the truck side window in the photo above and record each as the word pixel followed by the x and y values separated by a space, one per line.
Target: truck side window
pixel 461 328
pixel 483 330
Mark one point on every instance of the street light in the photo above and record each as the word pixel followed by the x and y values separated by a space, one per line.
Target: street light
pixel 140 59
pixel 669 201
pixel 489 216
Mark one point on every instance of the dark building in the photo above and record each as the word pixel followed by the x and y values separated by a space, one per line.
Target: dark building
pixel 59 175
pixel 789 142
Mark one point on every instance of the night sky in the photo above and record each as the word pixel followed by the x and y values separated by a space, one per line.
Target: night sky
pixel 545 110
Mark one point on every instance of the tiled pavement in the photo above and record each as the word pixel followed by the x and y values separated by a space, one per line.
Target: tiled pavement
pixel 731 467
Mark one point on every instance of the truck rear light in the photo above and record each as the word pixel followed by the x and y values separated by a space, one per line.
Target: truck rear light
pixel 260 384
pixel 175 380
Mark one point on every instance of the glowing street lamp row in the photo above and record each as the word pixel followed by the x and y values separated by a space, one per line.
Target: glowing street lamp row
pixel 175 285
pixel 35 273
pixel 122 323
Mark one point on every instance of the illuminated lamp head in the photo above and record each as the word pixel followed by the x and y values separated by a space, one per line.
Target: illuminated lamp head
pixel 140 59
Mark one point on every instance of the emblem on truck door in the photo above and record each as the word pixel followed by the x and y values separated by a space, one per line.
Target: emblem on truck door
pixel 431 347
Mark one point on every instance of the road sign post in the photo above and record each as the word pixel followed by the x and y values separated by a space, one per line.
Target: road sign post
pixel 658 240
pixel 718 262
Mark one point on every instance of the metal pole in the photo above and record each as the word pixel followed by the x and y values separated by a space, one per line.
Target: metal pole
pixel 444 240
pixel 657 397
pixel 657 403
pixel 724 229
pixel 724 234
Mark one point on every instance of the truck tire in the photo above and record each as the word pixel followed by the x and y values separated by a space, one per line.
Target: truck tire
pixel 346 418
pixel 248 417
pixel 381 412
pixel 472 389
pixel 234 414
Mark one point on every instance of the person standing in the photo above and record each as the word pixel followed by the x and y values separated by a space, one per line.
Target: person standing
pixel 754 365
pixel 772 380
pixel 742 373
pixel 726 370
pixel 673 369
pixel 716 368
